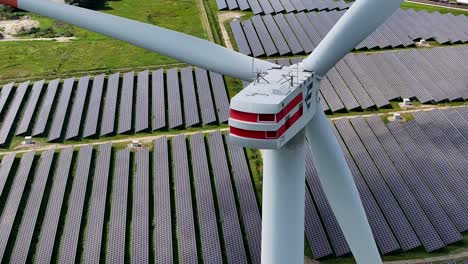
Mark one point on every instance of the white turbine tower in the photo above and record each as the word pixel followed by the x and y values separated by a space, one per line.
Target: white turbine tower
pixel 279 111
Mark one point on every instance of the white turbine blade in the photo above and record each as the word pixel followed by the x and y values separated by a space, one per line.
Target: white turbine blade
pixel 182 47
pixel 340 189
pixel 356 25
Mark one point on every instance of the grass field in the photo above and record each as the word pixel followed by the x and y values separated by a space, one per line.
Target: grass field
pixel 96 52
pixel 419 7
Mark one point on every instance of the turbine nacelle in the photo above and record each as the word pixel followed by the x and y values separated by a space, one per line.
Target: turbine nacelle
pixel 274 108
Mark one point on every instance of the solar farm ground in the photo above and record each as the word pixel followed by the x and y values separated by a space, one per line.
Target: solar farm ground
pixel 195 198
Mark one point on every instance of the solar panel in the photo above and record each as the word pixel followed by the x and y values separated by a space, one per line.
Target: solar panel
pixel 288 6
pixel 337 239
pixel 158 115
pixel 354 85
pixel 118 212
pixel 310 30
pixel 383 195
pixel 232 4
pixel 453 180
pixel 330 96
pixel 435 75
pixel 74 121
pixel 97 208
pixel 250 213
pixel 427 200
pixel 314 231
pixel 418 157
pixel 190 98
pixel 406 200
pixel 255 6
pixel 409 81
pixel 110 105
pixel 422 77
pixel 10 210
pixel 220 96
pixel 239 37
pixel 266 6
pixel 185 223
pixel 378 77
pixel 162 202
pixel 243 5
pixel 449 130
pixel 55 131
pixel 94 106
pixel 4 95
pixel 302 37
pixel 385 239
pixel 25 233
pixel 252 38
pixel 342 89
pixel 277 6
pixel 448 70
pixel 142 102
pixel 11 115
pixel 276 35
pixel 221 4
pixel 30 108
pixel 366 81
pixel 71 229
pixel 288 34
pixel 5 167
pixel 231 228
pixel 209 237
pixel 174 104
pixel 48 236
pixel 207 108
pixel 298 5
pixel 140 208
pixel 126 104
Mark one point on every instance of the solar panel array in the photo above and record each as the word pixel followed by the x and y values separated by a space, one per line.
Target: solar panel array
pixel 281 6
pixel 300 33
pixel 411 177
pixel 113 105
pixel 362 81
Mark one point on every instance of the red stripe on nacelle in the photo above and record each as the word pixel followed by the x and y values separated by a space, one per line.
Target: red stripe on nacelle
pixel 244 116
pixel 259 117
pixel 263 134
pixel 289 107
pixel 13 3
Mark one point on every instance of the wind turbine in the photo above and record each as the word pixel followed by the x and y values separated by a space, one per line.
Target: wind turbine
pixel 277 112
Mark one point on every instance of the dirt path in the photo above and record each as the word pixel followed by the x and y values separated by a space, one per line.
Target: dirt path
pixel 142 140
pixel 458 256
pixel 222 17
pixel 58 39
pixel 205 21
pixel 439 4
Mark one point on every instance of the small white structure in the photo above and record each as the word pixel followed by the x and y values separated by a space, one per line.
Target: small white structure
pixel 407 102
pixel 135 144
pixel 28 141
pixel 397 117
pixel 423 42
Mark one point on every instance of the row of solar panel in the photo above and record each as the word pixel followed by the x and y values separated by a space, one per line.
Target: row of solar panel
pixel 362 81
pixel 281 6
pixel 412 179
pixel 63 111
pixel 300 33
pixel 99 190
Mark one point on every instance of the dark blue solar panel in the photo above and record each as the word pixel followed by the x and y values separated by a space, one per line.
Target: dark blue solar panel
pixel 94 107
pixel 30 108
pixel 48 236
